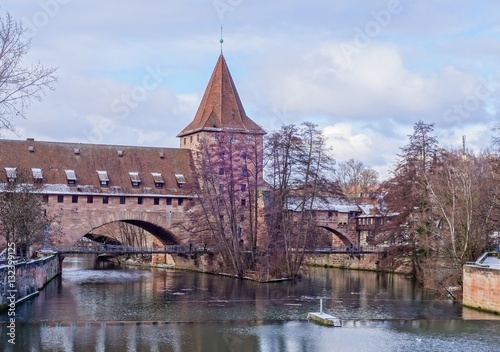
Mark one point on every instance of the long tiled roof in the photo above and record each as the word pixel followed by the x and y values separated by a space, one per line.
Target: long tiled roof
pixel 221 108
pixel 59 162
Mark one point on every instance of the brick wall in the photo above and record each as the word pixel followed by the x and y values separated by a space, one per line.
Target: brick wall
pixel 482 288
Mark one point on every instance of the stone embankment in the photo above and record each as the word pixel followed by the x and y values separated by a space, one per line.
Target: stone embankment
pixel 482 283
pixel 27 278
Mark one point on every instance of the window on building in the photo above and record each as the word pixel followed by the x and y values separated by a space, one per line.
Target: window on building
pixel 37 174
pixel 90 199
pixel 242 217
pixel 180 201
pixel 140 200
pixel 135 179
pixel 11 174
pixel 243 202
pixel 156 201
pixel 181 180
pixel 60 198
pixel 158 179
pixel 221 171
pixel 191 139
pixel 244 171
pixel 45 198
pixel 184 140
pixel 105 199
pixel 169 201
pixel 74 199
pixel 70 176
pixel 243 188
pixel 330 214
pixel 103 178
pixel 122 199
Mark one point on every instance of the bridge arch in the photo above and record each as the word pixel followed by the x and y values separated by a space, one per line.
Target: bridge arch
pixel 156 223
pixel 345 240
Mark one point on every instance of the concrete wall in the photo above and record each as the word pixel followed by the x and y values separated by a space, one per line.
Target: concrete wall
pixel 29 278
pixel 481 288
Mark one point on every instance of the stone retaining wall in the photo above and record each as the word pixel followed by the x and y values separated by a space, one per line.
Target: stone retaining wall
pixel 28 279
pixel 482 288
pixel 347 261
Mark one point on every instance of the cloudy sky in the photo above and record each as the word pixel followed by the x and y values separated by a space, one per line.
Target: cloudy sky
pixel 133 72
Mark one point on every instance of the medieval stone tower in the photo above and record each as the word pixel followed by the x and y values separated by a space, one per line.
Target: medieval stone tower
pixel 220 112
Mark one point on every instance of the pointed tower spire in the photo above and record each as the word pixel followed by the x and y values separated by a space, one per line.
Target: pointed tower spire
pixel 221 109
pixel 221 40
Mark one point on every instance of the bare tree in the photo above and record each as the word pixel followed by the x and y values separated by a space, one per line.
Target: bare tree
pixel 355 178
pixel 300 170
pixel 462 198
pixel 406 198
pixel 496 138
pixel 22 216
pixel 19 85
pixel 226 215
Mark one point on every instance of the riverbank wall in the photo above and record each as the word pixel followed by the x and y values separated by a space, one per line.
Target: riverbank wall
pixel 345 261
pixel 481 288
pixel 27 279
pixel 366 261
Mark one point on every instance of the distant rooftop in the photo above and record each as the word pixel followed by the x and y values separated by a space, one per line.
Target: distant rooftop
pixel 488 260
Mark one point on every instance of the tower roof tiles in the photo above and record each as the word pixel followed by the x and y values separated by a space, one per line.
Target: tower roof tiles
pixel 221 108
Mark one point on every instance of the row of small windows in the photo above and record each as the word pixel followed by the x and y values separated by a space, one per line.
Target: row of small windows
pixel 102 174
pixel 244 171
pixel 370 221
pixel 123 200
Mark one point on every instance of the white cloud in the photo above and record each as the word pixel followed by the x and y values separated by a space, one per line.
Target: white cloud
pixel 287 62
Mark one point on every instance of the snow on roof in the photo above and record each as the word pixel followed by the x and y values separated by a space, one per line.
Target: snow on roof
pixel 341 205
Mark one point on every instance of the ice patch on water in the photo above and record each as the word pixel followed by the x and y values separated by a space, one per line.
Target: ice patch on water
pixel 104 276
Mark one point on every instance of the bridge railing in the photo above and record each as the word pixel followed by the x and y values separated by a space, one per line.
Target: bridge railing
pixel 120 249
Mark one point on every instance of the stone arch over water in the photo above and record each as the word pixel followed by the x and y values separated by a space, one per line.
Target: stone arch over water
pixel 344 238
pixel 155 223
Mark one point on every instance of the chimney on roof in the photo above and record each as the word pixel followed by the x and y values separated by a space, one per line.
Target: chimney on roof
pixel 31 149
pixel 30 139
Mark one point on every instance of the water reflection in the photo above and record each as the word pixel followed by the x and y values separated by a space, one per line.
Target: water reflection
pixel 129 309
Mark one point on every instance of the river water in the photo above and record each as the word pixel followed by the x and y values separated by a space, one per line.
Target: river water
pixel 138 309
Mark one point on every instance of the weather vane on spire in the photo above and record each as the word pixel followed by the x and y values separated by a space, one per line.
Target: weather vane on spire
pixel 221 40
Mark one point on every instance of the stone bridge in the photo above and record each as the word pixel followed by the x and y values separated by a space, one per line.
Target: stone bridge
pixel 83 219
pixel 343 225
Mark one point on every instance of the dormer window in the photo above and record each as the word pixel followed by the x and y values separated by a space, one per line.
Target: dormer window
pixel 70 176
pixel 158 179
pixel 103 178
pixel 181 180
pixel 135 179
pixel 11 174
pixel 37 174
